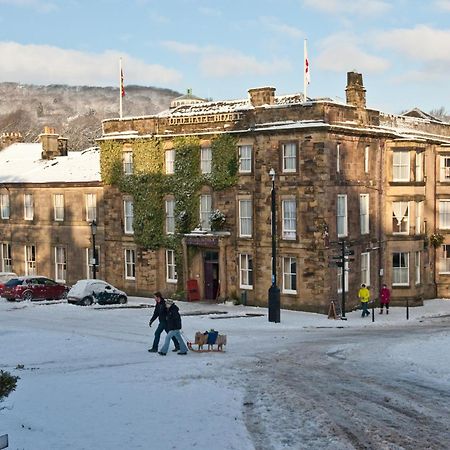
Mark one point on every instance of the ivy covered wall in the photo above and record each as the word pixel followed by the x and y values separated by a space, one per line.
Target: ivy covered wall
pixel 149 186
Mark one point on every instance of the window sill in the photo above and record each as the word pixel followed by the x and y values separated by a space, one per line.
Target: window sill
pixel 247 288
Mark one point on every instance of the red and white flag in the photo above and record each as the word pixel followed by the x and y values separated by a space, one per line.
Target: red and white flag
pixel 307 72
pixel 122 86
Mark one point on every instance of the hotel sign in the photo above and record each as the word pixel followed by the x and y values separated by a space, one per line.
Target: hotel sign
pixel 202 241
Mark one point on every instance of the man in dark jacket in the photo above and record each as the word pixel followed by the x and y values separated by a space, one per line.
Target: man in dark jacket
pixel 174 327
pixel 161 314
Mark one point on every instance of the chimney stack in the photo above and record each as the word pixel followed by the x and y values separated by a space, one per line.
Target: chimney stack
pixel 7 139
pixel 52 144
pixel 262 96
pixel 355 91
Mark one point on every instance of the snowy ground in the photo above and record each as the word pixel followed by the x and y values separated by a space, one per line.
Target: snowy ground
pixel 88 382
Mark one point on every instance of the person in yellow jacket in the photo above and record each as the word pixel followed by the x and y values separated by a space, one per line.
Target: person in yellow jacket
pixel 364 298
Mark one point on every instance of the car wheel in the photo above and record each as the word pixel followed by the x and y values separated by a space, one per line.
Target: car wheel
pixel 27 295
pixel 122 300
pixel 64 295
pixel 87 301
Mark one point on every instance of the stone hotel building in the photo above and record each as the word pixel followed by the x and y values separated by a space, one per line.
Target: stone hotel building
pixel 184 203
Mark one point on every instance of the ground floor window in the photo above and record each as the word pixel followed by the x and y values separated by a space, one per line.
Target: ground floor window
pixel 30 260
pixel 130 264
pixel 444 260
pixel 246 271
pixel 6 257
pixel 171 269
pixel 60 264
pixel 400 269
pixel 289 275
pixel 417 267
pixel 339 278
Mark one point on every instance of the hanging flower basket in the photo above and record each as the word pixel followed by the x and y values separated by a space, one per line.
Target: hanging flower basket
pixel 436 240
pixel 217 219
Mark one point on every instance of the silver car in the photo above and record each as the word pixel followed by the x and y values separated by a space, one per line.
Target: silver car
pixel 87 292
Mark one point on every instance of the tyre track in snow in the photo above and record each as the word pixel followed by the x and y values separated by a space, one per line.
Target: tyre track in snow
pixel 309 396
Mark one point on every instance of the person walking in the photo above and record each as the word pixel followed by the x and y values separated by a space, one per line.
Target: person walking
pixel 174 327
pixel 160 313
pixel 385 298
pixel 364 298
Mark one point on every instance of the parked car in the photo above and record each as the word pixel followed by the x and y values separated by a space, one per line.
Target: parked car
pixel 87 292
pixel 34 288
pixel 4 277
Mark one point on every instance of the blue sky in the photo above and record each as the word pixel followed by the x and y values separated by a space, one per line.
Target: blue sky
pixel 222 48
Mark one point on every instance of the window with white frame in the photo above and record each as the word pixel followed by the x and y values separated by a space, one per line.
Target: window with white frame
pixel 246 271
pixel 342 220
pixel 170 216
pixel 6 257
pixel 91 207
pixel 245 158
pixel 365 268
pixel 28 206
pixel 289 211
pixel 128 215
pixel 400 269
pixel 444 260
pixel 339 278
pixel 444 214
pixel 364 213
pixel 338 158
pixel 289 153
pixel 58 207
pixel 245 218
pixel 171 269
pixel 419 217
pixel 30 260
pixel 130 264
pixel 4 206
pixel 205 159
pixel 90 261
pixel 128 165
pixel 400 217
pixel 400 166
pixel 205 211
pixel 417 266
pixel 419 167
pixel 445 168
pixel 366 158
pixel 289 275
pixel 60 264
pixel 170 161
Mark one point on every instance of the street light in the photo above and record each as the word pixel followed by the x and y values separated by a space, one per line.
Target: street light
pixel 274 291
pixel 94 253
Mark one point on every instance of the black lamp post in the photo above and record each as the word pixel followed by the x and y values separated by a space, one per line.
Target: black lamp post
pixel 94 253
pixel 274 291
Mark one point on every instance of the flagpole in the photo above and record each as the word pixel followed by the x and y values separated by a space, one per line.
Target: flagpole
pixel 120 88
pixel 305 68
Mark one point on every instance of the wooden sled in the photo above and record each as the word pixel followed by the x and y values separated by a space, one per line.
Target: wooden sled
pixel 212 340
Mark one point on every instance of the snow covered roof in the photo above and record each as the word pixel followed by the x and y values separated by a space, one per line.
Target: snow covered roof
pixel 23 163
pixel 418 113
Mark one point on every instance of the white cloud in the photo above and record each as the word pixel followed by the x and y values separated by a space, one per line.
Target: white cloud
pixel 210 12
pixel 38 5
pixel 274 24
pixel 359 7
pixel 421 43
pixel 43 64
pixel 443 4
pixel 341 53
pixel 182 48
pixel 229 64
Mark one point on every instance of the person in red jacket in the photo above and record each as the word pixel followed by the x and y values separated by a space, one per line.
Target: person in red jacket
pixel 385 298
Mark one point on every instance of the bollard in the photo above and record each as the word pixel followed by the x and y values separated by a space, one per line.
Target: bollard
pixel 373 311
pixel 407 309
pixel 4 441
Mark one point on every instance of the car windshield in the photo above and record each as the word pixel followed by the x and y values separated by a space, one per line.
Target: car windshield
pixel 13 283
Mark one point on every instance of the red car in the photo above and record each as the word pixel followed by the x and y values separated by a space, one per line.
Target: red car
pixel 34 288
